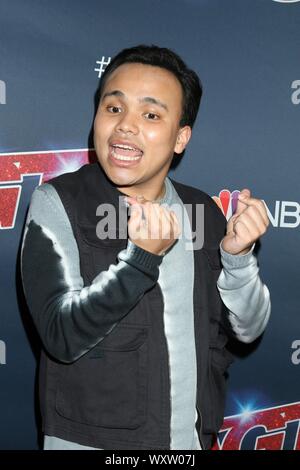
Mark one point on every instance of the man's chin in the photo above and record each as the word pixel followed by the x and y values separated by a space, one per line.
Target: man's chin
pixel 117 180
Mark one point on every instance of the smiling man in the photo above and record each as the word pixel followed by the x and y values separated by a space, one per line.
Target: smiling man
pixel 137 128
pixel 135 327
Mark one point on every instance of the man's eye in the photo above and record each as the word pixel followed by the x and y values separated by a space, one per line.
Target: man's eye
pixel 152 116
pixel 113 109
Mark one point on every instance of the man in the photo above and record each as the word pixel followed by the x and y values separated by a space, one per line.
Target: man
pixel 134 326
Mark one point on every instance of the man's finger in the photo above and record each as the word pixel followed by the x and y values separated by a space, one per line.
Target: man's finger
pixel 131 200
pixel 256 228
pixel 258 204
pixel 243 196
pixel 245 193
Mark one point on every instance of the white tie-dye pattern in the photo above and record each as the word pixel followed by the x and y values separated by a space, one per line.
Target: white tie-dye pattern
pixel 64 260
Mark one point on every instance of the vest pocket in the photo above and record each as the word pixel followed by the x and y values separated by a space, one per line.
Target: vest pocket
pixel 97 255
pixel 108 386
pixel 213 405
pixel 115 238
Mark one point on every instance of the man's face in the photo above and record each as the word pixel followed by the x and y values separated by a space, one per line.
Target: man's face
pixel 136 129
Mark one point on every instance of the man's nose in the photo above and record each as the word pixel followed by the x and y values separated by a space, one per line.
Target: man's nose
pixel 128 123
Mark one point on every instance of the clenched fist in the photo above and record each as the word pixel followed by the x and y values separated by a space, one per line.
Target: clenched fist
pixel 151 226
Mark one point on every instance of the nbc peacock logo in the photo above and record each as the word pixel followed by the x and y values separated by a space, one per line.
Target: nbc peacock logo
pixel 227 201
pixel 282 214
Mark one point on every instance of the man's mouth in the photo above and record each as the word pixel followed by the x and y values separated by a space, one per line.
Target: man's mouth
pixel 125 152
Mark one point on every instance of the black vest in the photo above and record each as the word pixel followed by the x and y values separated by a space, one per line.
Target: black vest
pixel 135 363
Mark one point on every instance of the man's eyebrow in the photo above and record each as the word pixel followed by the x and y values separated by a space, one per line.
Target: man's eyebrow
pixel 113 93
pixel 149 99
pixel 146 99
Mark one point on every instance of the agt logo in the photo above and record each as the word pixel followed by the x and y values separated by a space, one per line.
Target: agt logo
pixel 2 92
pixel 20 171
pixel 2 352
pixel 274 428
pixel 284 214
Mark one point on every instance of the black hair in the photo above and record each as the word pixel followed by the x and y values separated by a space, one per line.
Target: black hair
pixel 169 60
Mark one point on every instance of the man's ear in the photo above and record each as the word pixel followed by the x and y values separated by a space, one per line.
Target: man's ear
pixel 183 137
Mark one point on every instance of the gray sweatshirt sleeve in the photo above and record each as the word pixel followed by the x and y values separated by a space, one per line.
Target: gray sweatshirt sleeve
pixel 244 294
pixel 71 318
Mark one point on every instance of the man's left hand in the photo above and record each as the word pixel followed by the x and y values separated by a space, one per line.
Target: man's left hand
pixel 247 225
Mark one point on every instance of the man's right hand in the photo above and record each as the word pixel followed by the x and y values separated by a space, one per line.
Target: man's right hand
pixel 151 226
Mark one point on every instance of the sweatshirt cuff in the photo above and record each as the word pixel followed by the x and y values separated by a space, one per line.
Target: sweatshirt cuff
pixel 236 261
pixel 139 257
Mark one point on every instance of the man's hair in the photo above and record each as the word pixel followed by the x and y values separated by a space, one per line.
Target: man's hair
pixel 166 59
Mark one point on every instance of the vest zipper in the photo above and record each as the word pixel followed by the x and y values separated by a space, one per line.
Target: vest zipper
pixel 168 357
pixel 199 437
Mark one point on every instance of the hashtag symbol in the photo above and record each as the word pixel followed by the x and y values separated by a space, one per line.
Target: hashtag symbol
pixel 102 64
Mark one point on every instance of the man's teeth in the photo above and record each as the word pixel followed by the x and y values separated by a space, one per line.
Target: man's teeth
pixel 122 157
pixel 126 147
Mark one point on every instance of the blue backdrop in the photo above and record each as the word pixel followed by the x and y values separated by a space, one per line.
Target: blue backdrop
pixel 247 135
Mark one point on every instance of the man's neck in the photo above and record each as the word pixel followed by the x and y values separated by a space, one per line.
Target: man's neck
pixel 153 196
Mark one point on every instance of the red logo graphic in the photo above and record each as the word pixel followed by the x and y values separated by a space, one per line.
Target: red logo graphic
pixel 274 428
pixel 44 165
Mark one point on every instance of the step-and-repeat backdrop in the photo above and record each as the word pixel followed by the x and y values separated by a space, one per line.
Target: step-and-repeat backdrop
pixel 52 55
